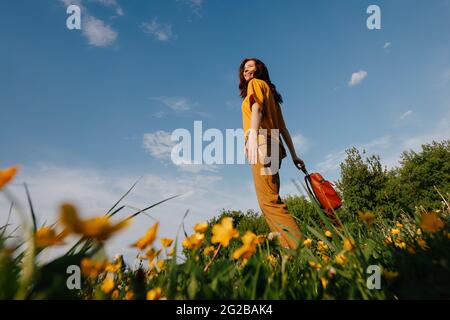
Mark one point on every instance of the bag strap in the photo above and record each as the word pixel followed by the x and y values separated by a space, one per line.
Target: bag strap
pixel 308 185
pixel 308 182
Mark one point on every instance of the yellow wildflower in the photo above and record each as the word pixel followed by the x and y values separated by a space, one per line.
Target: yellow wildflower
pixel 151 254
pixel 395 231
pixel 160 264
pixel 431 222
pixel 194 241
pixel 166 242
pixel 186 243
pixel 7 175
pixel 107 284
pixel 224 232
pixel 98 228
pixel 47 236
pixel 208 250
pixel 271 259
pixel 321 246
pixel 148 238
pixel 388 240
pixel 261 239
pixel 249 240
pixel 113 267
pixel 400 245
pixel 325 258
pixel 315 265
pixel 115 294
pixel 92 268
pixel 307 243
pixel 201 227
pixel 390 275
pixel 242 264
pixel 398 225
pixel 349 244
pixel 410 249
pixel 422 244
pixel 129 295
pixel 154 294
pixel 324 282
pixel 341 259
pixel 171 252
pixel 328 234
pixel 367 217
pixel 419 232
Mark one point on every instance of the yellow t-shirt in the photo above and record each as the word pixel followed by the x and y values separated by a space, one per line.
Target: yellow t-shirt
pixel 259 91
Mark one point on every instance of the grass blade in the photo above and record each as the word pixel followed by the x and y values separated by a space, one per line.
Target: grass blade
pixel 122 197
pixel 33 215
pixel 153 205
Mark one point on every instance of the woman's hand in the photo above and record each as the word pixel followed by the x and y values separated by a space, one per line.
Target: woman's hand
pixel 299 163
pixel 252 147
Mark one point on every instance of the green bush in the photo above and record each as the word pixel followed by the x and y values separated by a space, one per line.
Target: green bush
pixel 366 186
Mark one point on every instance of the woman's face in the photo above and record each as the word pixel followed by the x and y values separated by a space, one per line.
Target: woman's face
pixel 249 70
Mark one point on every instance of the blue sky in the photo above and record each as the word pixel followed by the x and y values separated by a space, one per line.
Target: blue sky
pixel 86 112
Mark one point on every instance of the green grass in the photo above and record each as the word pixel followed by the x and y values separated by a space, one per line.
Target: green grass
pixel 409 271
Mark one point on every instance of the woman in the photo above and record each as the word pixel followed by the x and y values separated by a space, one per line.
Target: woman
pixel 261 110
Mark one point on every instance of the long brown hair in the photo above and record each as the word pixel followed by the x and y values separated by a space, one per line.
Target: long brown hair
pixel 261 73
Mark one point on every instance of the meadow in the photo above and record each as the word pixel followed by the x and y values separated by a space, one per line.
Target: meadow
pixel 393 243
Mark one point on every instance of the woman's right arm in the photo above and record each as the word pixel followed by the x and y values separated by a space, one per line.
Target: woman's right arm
pixel 252 142
pixel 287 138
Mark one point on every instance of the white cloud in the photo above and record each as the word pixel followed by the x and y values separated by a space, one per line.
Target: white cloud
pixel 111 4
pixel 406 114
pixel 441 131
pixel 300 142
pixel 70 2
pixel 176 104
pixel 159 114
pixel 389 147
pixel 331 162
pixel 380 143
pixel 196 168
pixel 94 192
pixel 357 77
pixel 97 32
pixel 386 45
pixel 161 32
pixel 159 144
pixel 196 5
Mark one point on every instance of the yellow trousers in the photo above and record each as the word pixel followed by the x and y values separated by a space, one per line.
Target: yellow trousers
pixel 273 208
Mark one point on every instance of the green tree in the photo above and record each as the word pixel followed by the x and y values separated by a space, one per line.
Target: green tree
pixel 362 183
pixel 421 173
